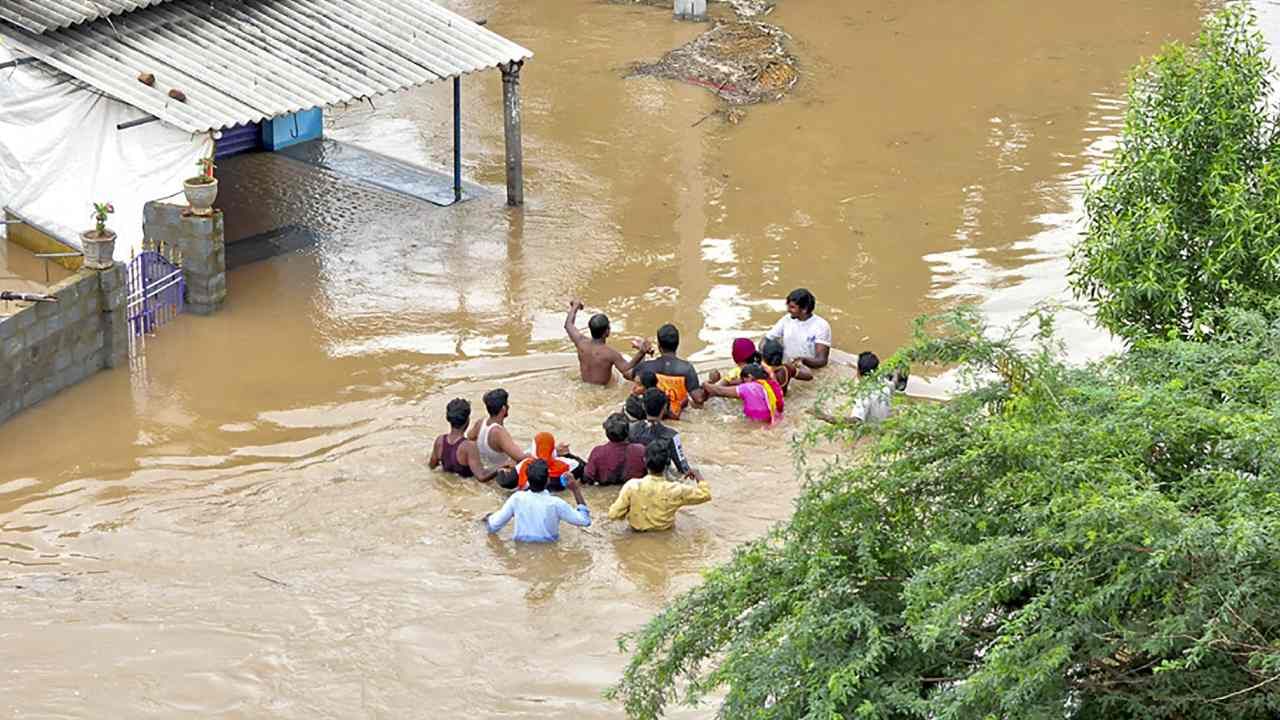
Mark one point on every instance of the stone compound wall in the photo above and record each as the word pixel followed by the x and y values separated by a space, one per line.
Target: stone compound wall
pixel 202 249
pixel 49 346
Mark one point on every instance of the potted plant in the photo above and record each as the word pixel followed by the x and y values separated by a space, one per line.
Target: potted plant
pixel 99 244
pixel 202 189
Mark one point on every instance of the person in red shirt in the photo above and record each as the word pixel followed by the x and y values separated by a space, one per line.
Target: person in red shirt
pixel 617 461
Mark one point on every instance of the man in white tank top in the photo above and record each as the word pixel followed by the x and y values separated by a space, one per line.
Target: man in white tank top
pixel 497 447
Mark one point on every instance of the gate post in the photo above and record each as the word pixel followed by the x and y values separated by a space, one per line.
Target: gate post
pixel 203 248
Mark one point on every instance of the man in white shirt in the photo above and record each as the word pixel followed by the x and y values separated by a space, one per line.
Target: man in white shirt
pixel 877 405
pixel 805 337
pixel 874 406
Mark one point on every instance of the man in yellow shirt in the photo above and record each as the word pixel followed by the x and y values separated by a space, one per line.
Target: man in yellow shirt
pixel 650 503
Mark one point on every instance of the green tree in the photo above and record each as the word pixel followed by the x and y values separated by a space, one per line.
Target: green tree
pixel 1055 542
pixel 1186 218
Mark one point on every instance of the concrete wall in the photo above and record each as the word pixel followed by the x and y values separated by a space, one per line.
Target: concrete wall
pixel 49 346
pixel 201 247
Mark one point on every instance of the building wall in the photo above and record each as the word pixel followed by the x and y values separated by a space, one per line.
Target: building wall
pixel 50 346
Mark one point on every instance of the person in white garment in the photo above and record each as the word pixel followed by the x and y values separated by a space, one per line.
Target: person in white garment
pixel 874 406
pixel 805 337
pixel 878 404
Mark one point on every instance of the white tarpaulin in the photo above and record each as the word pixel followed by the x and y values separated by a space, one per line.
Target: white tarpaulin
pixel 60 152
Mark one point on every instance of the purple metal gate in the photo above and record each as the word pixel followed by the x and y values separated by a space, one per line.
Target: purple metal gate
pixel 155 292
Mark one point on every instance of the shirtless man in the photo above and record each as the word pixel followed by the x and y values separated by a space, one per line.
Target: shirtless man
pixel 597 360
pixel 494 443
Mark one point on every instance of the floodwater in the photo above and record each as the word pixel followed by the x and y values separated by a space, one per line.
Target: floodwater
pixel 242 524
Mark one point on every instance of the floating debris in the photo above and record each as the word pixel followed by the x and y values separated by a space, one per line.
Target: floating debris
pixel 744 62
pixel 751 8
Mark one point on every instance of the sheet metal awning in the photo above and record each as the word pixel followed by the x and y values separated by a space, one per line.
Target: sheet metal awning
pixel 243 61
pixel 40 16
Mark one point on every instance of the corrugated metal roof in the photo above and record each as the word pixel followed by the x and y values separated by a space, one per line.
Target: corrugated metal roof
pixel 242 61
pixel 40 16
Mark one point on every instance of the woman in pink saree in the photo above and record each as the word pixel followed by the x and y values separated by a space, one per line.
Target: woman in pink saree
pixel 760 394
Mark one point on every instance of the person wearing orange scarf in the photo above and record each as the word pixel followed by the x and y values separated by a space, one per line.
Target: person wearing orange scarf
pixel 559 472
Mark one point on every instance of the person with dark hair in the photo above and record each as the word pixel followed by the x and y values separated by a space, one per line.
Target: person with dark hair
pixel 453 452
pixel 781 371
pixel 537 513
pixel 805 336
pixel 634 407
pixel 596 360
pixel 760 394
pixel 618 460
pixel 650 503
pixel 646 431
pixel 877 404
pixel 497 447
pixel 644 381
pixel 675 376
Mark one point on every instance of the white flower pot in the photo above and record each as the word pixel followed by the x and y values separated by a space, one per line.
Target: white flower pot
pixel 200 195
pixel 98 250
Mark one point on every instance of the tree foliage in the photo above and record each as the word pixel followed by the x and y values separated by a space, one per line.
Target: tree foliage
pixel 1055 542
pixel 1186 218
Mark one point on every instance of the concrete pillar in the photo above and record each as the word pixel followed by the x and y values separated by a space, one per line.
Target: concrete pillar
pixel 115 316
pixel 690 10
pixel 511 124
pixel 203 249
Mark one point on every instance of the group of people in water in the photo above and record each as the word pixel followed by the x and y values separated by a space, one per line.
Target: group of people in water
pixel 642 452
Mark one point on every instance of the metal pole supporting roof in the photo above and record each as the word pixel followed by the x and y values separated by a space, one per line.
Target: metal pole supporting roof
pixel 457 138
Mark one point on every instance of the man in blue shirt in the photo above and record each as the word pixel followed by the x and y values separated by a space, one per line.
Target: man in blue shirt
pixel 537 512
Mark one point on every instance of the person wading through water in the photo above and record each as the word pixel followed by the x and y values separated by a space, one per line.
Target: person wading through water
pixel 651 429
pixel 596 360
pixel 618 460
pixel 537 513
pixel 676 377
pixel 496 446
pixel 804 336
pixel 782 372
pixel 453 452
pixel 760 394
pixel 650 503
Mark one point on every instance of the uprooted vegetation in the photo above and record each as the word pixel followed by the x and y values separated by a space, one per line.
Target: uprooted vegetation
pixel 744 62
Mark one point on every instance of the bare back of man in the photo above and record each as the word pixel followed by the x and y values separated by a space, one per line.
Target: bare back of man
pixel 596 360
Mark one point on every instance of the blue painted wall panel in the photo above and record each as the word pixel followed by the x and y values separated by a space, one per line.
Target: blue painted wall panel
pixel 281 132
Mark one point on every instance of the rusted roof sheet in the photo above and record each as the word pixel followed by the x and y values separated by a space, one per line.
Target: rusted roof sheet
pixel 39 16
pixel 243 61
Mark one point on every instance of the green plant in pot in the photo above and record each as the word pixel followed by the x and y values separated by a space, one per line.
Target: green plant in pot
pixel 99 244
pixel 202 189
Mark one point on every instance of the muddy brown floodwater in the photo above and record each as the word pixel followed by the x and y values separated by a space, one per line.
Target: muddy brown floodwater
pixel 242 525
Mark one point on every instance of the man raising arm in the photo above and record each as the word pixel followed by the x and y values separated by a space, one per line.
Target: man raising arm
pixel 597 360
